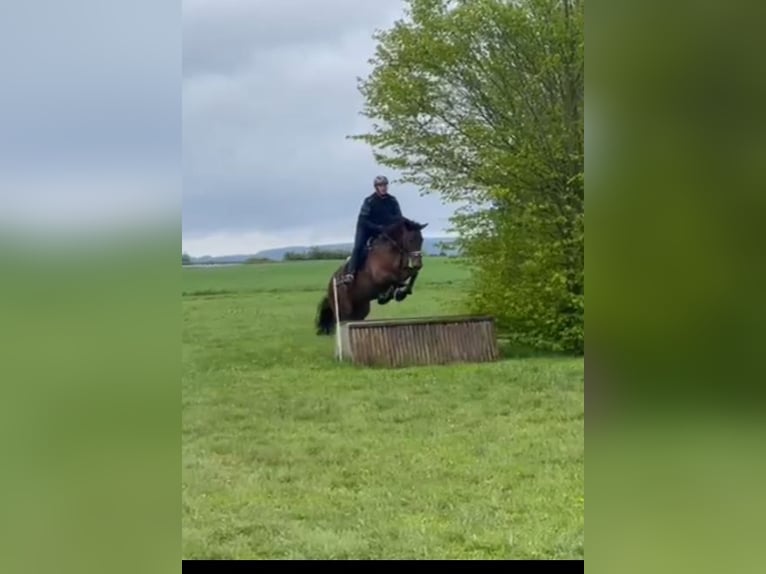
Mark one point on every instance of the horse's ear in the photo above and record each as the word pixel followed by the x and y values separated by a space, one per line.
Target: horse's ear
pixel 422 226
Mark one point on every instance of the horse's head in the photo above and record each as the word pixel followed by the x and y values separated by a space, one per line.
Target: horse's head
pixel 407 236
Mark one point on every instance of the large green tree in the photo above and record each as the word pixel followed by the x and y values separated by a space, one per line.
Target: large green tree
pixel 481 102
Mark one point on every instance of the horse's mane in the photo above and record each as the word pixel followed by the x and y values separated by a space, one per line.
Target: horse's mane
pixel 404 224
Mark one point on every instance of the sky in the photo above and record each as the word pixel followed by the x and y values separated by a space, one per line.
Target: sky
pixel 269 96
pixel 90 115
pixel 225 118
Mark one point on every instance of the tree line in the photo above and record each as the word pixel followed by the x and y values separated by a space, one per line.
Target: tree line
pixel 315 253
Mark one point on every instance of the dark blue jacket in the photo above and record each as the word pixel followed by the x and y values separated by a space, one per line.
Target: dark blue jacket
pixel 377 213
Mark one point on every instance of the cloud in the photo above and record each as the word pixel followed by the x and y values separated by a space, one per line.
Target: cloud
pixel 93 122
pixel 270 94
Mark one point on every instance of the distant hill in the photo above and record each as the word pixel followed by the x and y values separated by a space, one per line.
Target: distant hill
pixel 431 246
pixel 220 260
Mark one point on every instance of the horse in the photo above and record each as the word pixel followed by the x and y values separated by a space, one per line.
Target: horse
pixel 391 265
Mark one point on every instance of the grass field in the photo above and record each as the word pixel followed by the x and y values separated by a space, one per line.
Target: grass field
pixel 287 454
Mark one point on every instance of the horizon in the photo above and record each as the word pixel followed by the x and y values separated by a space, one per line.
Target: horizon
pixel 286 246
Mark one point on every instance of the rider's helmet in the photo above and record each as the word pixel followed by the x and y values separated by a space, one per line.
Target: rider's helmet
pixel 380 180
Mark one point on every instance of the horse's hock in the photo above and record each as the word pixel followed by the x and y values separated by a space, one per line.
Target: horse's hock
pixel 421 341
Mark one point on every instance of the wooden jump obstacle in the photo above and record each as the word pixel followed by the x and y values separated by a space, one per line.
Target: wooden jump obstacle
pixel 419 341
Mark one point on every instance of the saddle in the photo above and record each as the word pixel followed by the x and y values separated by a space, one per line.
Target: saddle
pixel 363 254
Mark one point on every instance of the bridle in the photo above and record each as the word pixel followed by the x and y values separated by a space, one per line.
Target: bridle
pixel 408 255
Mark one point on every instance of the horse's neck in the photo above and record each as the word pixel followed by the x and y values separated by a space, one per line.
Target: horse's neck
pixel 385 247
pixel 388 257
pixel 394 238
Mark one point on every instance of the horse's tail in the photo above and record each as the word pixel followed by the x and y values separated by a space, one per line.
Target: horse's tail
pixel 325 320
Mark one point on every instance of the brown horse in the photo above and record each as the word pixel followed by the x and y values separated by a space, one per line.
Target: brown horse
pixel 391 265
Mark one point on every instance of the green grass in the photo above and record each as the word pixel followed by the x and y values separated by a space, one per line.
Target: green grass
pixel 287 454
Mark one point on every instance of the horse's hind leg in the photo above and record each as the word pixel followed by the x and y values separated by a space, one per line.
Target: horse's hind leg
pixel 346 306
pixel 360 311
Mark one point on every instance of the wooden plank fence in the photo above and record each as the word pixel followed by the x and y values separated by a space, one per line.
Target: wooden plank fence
pixel 419 341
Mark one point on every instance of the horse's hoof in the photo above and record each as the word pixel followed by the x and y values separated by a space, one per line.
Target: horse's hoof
pixel 401 294
pixel 383 300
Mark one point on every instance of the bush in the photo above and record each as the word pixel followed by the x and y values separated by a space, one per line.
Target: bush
pixel 482 103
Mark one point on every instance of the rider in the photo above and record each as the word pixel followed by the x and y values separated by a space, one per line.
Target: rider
pixel 379 210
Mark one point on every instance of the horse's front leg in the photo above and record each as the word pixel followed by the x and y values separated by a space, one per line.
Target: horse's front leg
pixel 412 282
pixel 386 295
pixel 405 290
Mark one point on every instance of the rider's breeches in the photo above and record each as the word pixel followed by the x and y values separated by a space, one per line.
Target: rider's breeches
pixel 356 254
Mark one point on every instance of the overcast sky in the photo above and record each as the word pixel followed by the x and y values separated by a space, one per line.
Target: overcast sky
pixel 269 94
pixel 90 118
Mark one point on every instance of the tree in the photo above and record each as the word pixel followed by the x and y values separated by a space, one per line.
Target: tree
pixel 481 102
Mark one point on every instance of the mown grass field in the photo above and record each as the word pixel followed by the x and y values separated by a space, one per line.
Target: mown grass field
pixel 288 455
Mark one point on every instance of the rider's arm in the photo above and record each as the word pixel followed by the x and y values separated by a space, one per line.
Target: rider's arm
pixel 365 220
